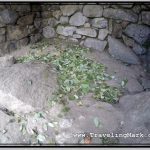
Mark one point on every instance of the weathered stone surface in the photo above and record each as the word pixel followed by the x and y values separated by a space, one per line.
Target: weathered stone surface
pixel 26 78
pixel 138 49
pixel 92 11
pixel 37 23
pixel 26 20
pixel 105 113
pixel 110 26
pixel 120 14
pixel 46 14
pixel 134 86
pixel 16 32
pixel 137 9
pixel 57 14
pixel 66 31
pixel 2 31
pixel 146 17
pixel 77 19
pixel 87 31
pixel 49 32
pixel 128 41
pixel 68 10
pixel 136 110
pixel 124 24
pixel 64 20
pixel 87 25
pixel 7 61
pixel 2 38
pixel 21 8
pixel 73 40
pixel 8 16
pixel 12 45
pixel 132 44
pixel 44 22
pixel 35 38
pixel 102 34
pixel 138 32
pixel 3 49
pixel 99 23
pixel 31 29
pixel 76 36
pixel 52 22
pixel 119 51
pixel 145 83
pixel 4 118
pixel 2 7
pixel 22 42
pixel 95 44
pixel 117 30
pixel 1 24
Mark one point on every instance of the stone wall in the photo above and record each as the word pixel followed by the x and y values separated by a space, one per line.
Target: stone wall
pixel 17 26
pixel 95 26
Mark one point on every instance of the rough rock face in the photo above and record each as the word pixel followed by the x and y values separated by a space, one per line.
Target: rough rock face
pixel 16 32
pixel 7 61
pixel 64 20
pixel 120 14
pixel 102 34
pixel 87 31
pixel 77 19
pixel 35 83
pixel 139 33
pixel 119 51
pixel 48 32
pixel 57 14
pixel 99 22
pixel 95 44
pixel 52 22
pixel 68 10
pixel 138 49
pixel 146 17
pixel 92 11
pixel 8 16
pixel 136 110
pixel 66 31
pixel 26 20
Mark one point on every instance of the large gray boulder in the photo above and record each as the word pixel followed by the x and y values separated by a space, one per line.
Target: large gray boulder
pixel 119 51
pixel 77 19
pixel 87 31
pixel 49 32
pixel 95 44
pixel 138 32
pixel 26 87
pixel 68 10
pixel 66 31
pixel 136 110
pixel 121 14
pixel 8 16
pixel 92 11
pixel 99 23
